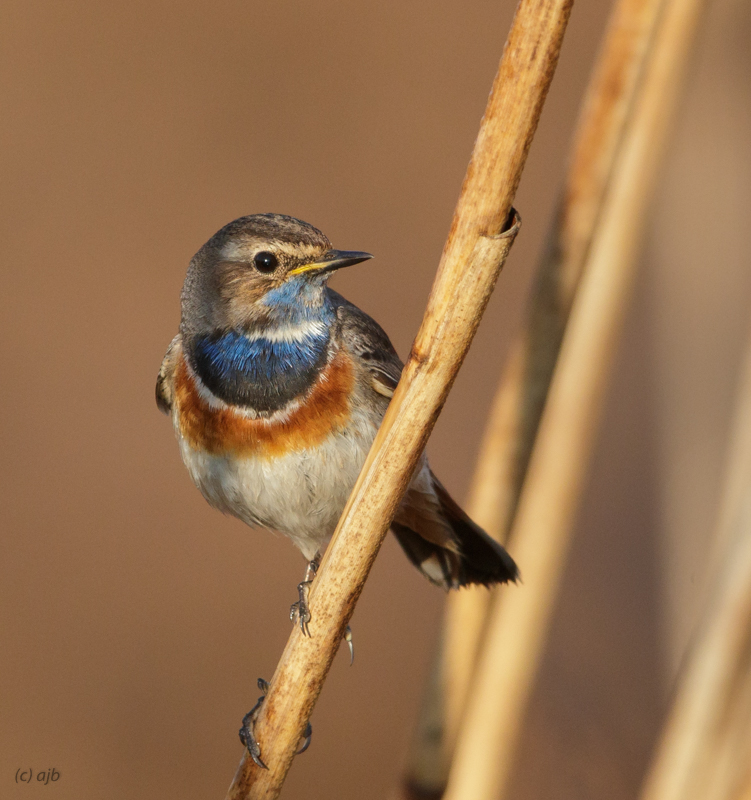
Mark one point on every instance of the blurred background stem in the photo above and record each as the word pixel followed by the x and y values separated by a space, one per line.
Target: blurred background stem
pixel 705 749
pixel 520 399
pixel 597 231
pixel 542 528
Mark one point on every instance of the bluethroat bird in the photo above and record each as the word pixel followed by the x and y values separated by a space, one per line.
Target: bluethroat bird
pixel 276 386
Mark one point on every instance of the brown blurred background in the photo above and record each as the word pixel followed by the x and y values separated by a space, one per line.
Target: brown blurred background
pixel 135 619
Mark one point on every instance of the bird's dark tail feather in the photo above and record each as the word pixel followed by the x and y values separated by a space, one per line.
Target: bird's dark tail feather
pixel 480 560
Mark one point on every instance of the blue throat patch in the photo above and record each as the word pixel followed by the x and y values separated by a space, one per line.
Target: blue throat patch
pixel 261 373
pixel 235 358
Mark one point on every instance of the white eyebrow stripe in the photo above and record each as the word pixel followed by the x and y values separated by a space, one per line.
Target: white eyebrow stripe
pixel 290 332
pixel 233 250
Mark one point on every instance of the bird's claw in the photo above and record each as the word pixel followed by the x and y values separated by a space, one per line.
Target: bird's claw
pixel 306 737
pixel 247 737
pixel 348 639
pixel 300 612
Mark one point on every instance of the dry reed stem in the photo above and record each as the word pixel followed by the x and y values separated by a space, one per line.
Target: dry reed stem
pixel 518 405
pixel 471 260
pixel 728 762
pixel 542 528
pixel 705 749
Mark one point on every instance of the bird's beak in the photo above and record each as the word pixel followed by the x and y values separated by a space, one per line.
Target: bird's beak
pixel 331 260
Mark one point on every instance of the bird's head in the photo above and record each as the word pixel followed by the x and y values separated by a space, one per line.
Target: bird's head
pixel 258 271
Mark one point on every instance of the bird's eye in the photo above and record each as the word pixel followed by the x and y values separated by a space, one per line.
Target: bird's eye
pixel 265 262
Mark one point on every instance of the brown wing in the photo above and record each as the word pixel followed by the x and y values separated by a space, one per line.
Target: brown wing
pixel 367 340
pixel 165 382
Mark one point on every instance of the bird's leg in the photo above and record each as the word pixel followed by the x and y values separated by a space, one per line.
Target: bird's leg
pixel 300 611
pixel 247 737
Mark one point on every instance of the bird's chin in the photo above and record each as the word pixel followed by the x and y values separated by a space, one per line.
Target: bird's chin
pixel 312 280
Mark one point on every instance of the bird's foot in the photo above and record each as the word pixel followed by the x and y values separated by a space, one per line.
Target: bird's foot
pixel 300 611
pixel 247 736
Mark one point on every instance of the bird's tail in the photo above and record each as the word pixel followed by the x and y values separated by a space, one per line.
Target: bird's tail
pixel 445 544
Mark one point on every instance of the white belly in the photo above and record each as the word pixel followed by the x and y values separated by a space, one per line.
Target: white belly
pixel 301 494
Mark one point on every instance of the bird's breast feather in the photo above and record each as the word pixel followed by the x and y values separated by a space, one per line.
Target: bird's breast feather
pixel 219 429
